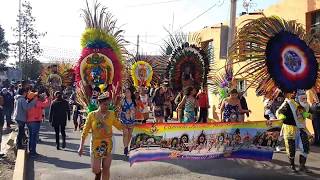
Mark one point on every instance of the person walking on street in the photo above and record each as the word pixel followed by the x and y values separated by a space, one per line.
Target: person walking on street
pixel 58 116
pixel 231 108
pixel 34 119
pixel 189 103
pixel 1 122
pixel 203 103
pixel 315 111
pixel 75 111
pixel 127 117
pixel 21 106
pixel 7 106
pixel 100 123
pixel 158 102
pixel 244 106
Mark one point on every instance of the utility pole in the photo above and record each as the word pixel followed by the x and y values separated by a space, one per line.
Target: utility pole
pixel 137 46
pixel 20 66
pixel 232 23
pixel 231 33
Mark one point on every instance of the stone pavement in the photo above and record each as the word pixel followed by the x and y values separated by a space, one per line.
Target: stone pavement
pixel 67 165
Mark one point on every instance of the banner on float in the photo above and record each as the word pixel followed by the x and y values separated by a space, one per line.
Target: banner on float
pixel 250 140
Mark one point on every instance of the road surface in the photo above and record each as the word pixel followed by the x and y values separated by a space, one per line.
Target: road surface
pixel 67 165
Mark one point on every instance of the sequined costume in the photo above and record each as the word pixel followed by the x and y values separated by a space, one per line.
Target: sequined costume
pixel 101 140
pixel 127 115
pixel 294 128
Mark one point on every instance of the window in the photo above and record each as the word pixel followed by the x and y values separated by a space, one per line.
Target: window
pixel 313 21
pixel 241 86
pixel 208 46
pixel 210 51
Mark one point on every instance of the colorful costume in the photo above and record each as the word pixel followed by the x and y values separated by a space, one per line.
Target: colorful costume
pixel 189 113
pixel 101 61
pixel 127 115
pixel 231 113
pixel 57 75
pixel 188 64
pixel 294 129
pixel 141 74
pixel 279 55
pixel 101 140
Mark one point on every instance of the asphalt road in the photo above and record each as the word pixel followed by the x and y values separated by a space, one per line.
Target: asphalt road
pixel 67 165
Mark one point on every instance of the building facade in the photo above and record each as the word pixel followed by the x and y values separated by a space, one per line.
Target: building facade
pixel 306 12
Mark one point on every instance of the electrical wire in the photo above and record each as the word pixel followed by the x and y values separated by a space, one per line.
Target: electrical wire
pixel 201 14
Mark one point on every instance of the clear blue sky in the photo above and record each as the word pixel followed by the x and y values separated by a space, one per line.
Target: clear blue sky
pixel 63 24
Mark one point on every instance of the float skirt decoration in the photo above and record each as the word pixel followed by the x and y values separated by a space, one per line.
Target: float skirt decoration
pixel 250 140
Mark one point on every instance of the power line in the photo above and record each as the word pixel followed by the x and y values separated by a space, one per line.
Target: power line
pixel 201 14
pixel 219 3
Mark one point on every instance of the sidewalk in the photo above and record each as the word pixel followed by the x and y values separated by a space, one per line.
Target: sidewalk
pixel 67 165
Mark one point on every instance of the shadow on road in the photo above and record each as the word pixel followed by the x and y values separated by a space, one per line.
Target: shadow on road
pixel 239 168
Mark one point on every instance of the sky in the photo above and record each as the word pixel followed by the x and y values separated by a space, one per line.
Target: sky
pixel 64 25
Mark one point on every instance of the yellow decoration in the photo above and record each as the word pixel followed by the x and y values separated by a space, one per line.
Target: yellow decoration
pixel 141 74
pixel 92 34
pixel 86 68
pixel 102 87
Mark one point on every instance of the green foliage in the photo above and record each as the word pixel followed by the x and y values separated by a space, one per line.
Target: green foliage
pixel 31 68
pixel 4 47
pixel 30 44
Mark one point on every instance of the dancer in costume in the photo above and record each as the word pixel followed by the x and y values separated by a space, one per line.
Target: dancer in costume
pixel 294 112
pixel 158 101
pixel 57 75
pixel 145 101
pixel 231 108
pixel 141 74
pixel 54 80
pixel 100 123
pixel 282 56
pixel 139 116
pixel 190 104
pixel 188 64
pixel 127 117
pixel 100 66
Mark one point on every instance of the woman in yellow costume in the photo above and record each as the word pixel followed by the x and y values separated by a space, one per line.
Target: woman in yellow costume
pixel 100 123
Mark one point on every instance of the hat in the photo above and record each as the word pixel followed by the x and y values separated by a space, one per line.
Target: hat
pixel 31 95
pixel 300 92
pixel 103 96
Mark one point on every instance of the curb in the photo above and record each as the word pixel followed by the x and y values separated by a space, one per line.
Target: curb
pixel 19 168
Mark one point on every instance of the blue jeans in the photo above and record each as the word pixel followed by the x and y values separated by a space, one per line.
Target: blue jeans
pixel 7 113
pixel 34 128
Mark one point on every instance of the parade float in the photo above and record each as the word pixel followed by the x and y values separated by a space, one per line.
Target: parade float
pixel 100 67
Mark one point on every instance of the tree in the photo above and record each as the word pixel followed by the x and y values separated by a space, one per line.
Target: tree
pixel 30 44
pixel 4 47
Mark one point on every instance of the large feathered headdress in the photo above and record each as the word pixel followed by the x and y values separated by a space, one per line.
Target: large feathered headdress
pixel 275 53
pixel 187 62
pixel 101 61
pixel 64 70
